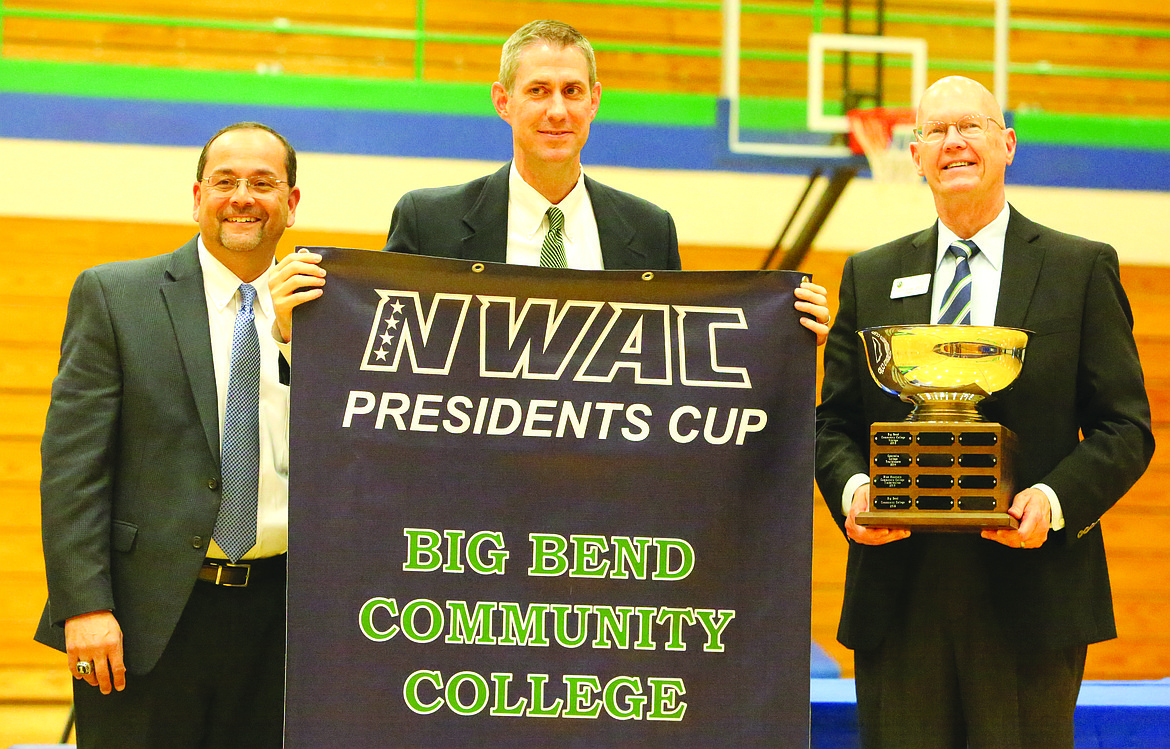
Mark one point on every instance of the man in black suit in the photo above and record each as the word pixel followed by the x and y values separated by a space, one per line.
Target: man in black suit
pixel 548 93
pixel 172 615
pixel 541 208
pixel 980 639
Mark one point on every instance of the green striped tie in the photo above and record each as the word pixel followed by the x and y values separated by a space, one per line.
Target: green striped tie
pixel 552 252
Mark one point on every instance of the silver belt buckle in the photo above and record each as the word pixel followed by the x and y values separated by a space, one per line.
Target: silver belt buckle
pixel 219 575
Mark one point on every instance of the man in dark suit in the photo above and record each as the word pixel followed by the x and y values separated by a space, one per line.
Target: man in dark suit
pixel 548 93
pixel 632 233
pixel 166 566
pixel 541 208
pixel 980 639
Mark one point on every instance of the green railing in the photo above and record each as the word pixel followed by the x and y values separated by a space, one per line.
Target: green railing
pixel 815 11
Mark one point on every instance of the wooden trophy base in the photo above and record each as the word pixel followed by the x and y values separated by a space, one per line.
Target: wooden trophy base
pixel 940 476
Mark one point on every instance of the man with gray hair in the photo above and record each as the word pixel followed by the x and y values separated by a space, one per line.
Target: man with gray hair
pixel 979 640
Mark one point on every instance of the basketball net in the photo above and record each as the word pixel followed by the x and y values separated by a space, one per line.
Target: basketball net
pixel 884 135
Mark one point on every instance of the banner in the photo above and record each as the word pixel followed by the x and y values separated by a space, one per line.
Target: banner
pixel 548 508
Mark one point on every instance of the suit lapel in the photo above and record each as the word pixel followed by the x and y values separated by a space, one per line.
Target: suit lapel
pixel 1023 258
pixel 186 300
pixel 487 221
pixel 920 260
pixel 614 232
pixel 487 225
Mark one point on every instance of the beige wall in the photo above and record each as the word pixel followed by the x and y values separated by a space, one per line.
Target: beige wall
pixel 726 209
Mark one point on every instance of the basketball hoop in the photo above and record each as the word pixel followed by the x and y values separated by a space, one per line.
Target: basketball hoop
pixel 884 134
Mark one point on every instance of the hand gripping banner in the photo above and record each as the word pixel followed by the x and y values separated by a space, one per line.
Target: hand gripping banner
pixel 548 508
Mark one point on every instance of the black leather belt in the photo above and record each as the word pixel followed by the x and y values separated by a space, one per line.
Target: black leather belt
pixel 240 574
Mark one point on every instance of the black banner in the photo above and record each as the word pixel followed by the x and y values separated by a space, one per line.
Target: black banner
pixel 549 508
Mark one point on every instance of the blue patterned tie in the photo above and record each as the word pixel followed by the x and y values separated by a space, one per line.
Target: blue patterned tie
pixel 235 529
pixel 552 252
pixel 956 304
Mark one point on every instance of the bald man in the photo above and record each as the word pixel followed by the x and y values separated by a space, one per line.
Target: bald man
pixel 979 639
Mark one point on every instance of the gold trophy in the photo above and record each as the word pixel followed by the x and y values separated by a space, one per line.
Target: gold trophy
pixel 945 468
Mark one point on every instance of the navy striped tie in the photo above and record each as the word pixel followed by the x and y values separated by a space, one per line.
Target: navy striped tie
pixel 956 303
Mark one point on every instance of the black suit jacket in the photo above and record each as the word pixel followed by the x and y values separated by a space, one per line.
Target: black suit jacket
pixel 130 484
pixel 470 221
pixel 1081 374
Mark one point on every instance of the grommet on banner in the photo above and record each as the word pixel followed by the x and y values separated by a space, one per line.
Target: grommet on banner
pixel 477 268
pixel 648 276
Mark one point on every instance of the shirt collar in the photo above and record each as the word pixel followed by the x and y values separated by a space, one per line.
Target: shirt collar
pixel 990 239
pixel 528 206
pixel 221 284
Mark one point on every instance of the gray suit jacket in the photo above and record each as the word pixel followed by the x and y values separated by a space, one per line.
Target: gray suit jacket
pixel 470 221
pixel 1081 374
pixel 130 484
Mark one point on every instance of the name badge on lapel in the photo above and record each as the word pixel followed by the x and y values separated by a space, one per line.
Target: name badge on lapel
pixel 910 286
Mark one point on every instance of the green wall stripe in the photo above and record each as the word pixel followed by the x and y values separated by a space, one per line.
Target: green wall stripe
pixel 1085 130
pixel 229 87
pixel 673 109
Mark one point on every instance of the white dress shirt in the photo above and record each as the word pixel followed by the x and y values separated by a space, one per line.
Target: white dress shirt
pixel 223 300
pixel 528 225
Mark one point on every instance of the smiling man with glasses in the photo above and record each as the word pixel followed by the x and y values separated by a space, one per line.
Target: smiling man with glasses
pixel 164 488
pixel 979 639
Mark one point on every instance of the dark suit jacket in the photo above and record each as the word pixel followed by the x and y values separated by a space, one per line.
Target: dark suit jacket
pixel 470 221
pixel 130 455
pixel 1081 374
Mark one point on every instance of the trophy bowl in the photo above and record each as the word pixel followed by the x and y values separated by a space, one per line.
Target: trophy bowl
pixel 944 371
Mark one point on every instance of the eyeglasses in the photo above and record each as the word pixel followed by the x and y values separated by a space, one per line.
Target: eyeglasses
pixel 971 126
pixel 225 184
